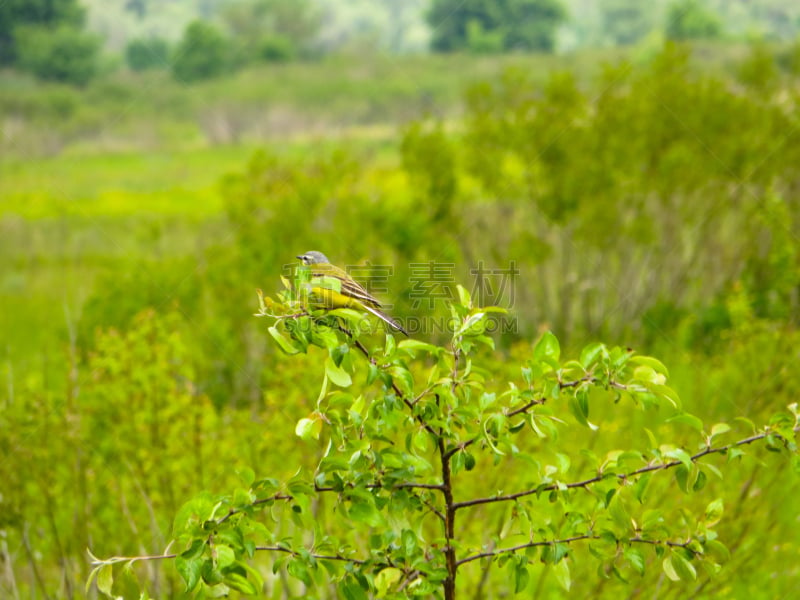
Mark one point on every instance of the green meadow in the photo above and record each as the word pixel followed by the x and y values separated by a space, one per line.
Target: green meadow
pixel 647 199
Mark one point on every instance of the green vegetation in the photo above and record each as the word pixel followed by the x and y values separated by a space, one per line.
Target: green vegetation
pixel 62 54
pixel 602 196
pixel 691 20
pixel 202 53
pixel 147 53
pixel 396 459
pixel 483 25
pixel 46 38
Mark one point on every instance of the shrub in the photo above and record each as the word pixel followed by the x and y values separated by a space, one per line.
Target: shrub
pixel 147 53
pixel 421 446
pixel 690 20
pixel 64 53
pixel 203 53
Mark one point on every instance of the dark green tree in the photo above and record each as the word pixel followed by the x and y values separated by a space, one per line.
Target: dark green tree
pixel 271 30
pixel 62 54
pixel 520 24
pixel 202 53
pixel 147 53
pixel 18 13
pixel 626 21
pixel 691 20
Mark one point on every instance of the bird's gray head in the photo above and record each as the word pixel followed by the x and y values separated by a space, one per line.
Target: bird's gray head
pixel 312 257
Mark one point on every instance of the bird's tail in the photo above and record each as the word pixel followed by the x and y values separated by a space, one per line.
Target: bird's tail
pixel 387 319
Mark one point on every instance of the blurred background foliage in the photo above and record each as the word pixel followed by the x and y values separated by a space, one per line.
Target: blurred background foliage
pixel 159 161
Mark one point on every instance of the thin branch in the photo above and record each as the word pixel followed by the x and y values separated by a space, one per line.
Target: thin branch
pixel 494 553
pixel 236 511
pixel 524 408
pixel 354 561
pixel 288 497
pixel 96 562
pixel 132 559
pixel 406 401
pixel 623 476
pixel 434 510
pixel 424 486
pixel 536 402
pixel 577 538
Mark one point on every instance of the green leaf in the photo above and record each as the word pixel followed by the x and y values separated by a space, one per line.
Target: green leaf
pixel 337 375
pixel 386 579
pixel 409 539
pixel 561 572
pixel 590 353
pixel 719 429
pixel 283 342
pixel 241 583
pixel 681 455
pixel 667 393
pixel 105 579
pixel 669 569
pixel 619 513
pixel 299 570
pixel 683 568
pixel 648 361
pixel 470 326
pixel 403 379
pixel 366 512
pixel 714 512
pixel 352 590
pixel 687 419
pixel 247 475
pixel 463 296
pixel 521 578
pixel 640 487
pixel 469 461
pixel 718 549
pixel 225 555
pixel 579 406
pixel 636 558
pixel 389 345
pixel 189 570
pixel 647 374
pixel 547 348
pixel 307 429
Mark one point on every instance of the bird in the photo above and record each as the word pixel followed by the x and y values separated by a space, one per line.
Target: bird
pixel 334 288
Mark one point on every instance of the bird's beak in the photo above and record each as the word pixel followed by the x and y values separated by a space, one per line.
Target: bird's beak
pixel 300 257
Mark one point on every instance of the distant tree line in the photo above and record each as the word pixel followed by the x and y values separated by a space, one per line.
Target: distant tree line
pixel 48 37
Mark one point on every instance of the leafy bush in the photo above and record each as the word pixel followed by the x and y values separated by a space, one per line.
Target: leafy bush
pixel 492 24
pixel 276 48
pixel 691 20
pixel 15 14
pixel 147 53
pixel 62 54
pixel 403 450
pixel 202 53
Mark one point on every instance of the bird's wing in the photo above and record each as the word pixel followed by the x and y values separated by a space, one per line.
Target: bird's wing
pixel 350 287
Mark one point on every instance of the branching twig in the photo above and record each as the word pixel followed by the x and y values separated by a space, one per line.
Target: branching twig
pixel 577 538
pixel 236 511
pixel 95 562
pixel 406 401
pixel 587 482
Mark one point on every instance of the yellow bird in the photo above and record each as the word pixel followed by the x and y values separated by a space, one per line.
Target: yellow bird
pixel 334 288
